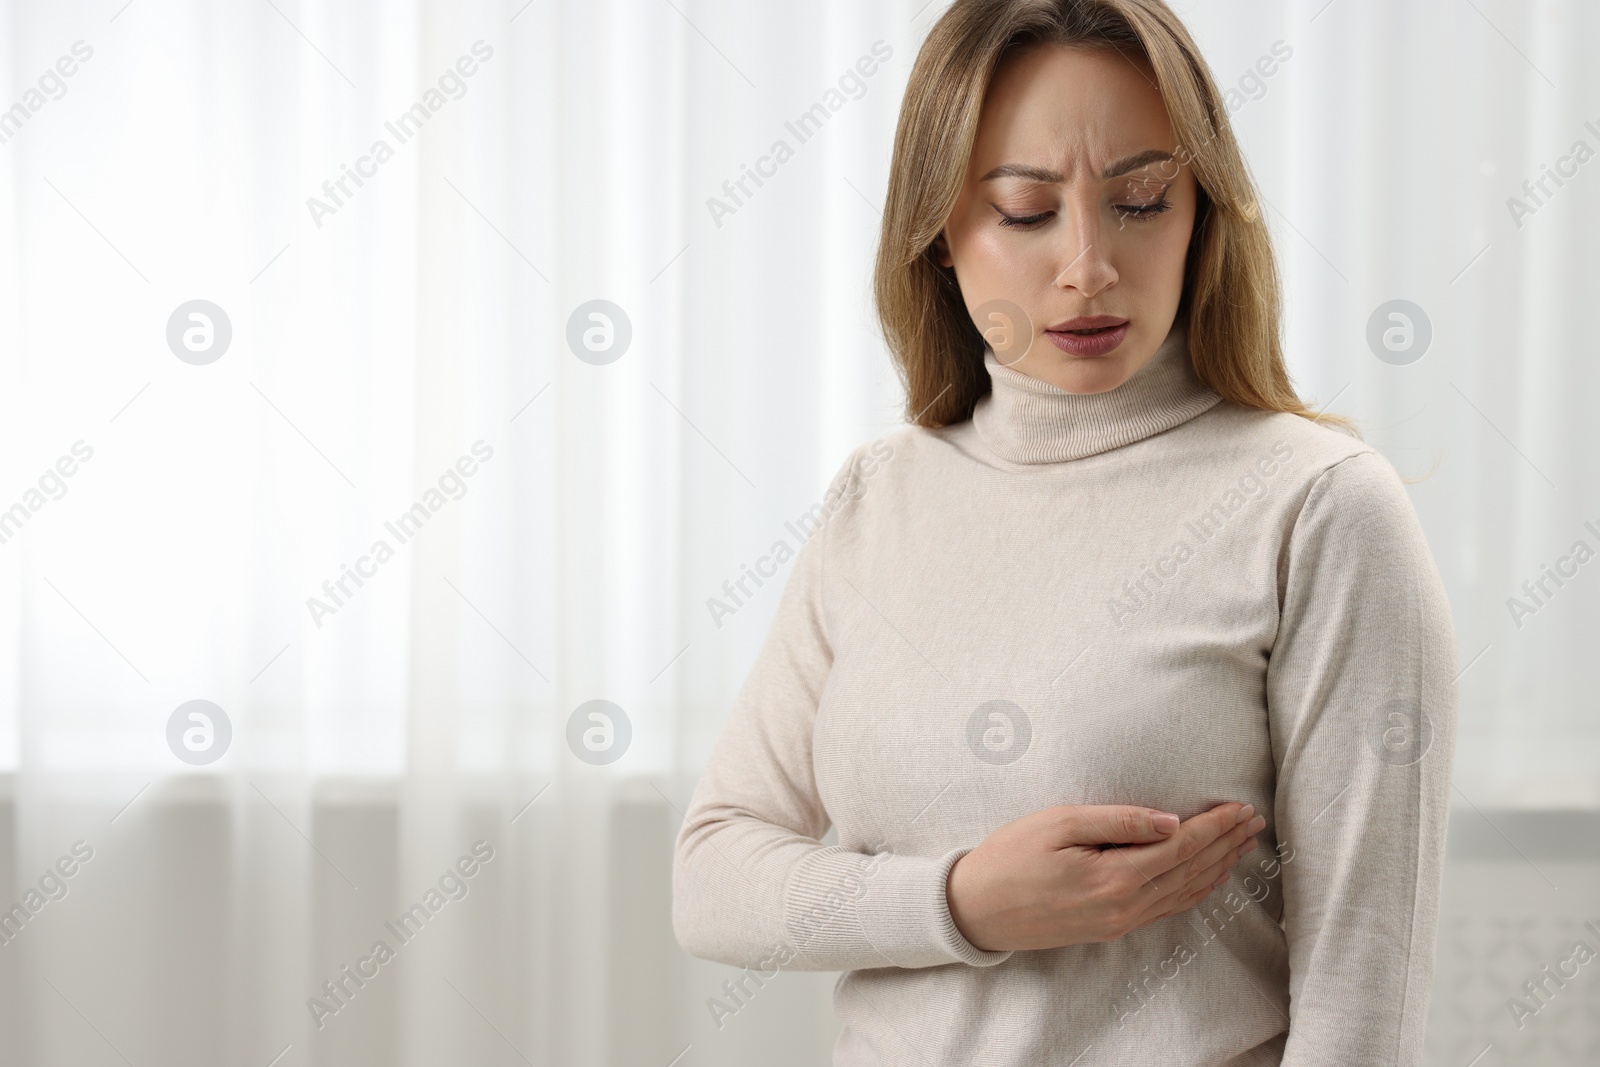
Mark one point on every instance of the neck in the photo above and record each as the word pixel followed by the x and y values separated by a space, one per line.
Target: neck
pixel 1027 420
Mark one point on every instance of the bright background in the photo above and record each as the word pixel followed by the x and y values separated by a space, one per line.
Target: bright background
pixel 431 310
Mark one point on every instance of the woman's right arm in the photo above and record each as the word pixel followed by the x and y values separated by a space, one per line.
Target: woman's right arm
pixel 752 883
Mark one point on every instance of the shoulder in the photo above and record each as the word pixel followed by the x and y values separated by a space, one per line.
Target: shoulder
pixel 896 454
pixel 1327 465
pixel 862 465
pixel 1346 509
pixel 1337 496
pixel 1314 447
pixel 879 482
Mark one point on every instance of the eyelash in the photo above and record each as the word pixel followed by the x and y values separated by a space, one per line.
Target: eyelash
pixel 1029 220
pixel 1141 211
pixel 1146 211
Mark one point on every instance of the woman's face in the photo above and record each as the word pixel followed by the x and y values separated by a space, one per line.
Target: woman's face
pixel 1075 206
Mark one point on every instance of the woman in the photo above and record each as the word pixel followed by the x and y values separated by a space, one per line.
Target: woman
pixel 1127 683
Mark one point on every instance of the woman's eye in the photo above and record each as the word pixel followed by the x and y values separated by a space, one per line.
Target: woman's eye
pixel 1143 211
pixel 1023 220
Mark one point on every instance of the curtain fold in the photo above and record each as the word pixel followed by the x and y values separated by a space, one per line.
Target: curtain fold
pixel 425 352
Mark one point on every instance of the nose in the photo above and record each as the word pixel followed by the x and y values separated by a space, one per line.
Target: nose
pixel 1087 266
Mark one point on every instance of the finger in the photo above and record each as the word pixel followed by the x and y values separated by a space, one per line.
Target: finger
pixel 1220 869
pixel 1173 905
pixel 1224 850
pixel 1201 895
pixel 1195 835
pixel 1107 824
pixel 1204 866
pixel 1209 879
pixel 1223 870
pixel 1193 893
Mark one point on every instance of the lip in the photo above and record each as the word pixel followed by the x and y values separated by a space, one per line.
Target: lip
pixel 1088 322
pixel 1113 331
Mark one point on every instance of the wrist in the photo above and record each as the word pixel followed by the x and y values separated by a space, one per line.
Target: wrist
pixel 958 897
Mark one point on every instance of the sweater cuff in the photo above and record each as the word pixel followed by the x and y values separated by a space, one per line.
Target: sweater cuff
pixel 885 905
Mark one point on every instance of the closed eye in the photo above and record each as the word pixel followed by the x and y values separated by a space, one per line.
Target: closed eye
pixel 1144 211
pixel 1023 220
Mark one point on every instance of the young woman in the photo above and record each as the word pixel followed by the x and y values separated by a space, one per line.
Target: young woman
pixel 1127 683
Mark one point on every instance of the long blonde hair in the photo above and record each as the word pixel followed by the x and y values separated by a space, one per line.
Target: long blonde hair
pixel 1231 299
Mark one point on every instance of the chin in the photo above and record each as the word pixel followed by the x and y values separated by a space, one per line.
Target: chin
pixel 1096 374
pixel 1094 382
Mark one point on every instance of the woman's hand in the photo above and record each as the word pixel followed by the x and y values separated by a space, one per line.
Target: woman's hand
pixel 1047 879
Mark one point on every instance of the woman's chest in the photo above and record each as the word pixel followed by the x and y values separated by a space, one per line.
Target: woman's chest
pixel 966 694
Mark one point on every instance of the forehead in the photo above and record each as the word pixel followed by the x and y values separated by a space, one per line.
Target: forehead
pixel 1070 107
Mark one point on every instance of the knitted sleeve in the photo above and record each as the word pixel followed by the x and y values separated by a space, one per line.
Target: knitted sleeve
pixel 752 885
pixel 1362 706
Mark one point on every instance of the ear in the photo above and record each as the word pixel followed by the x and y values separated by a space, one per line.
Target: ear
pixel 941 250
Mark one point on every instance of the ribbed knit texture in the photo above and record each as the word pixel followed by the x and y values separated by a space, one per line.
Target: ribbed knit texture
pixel 1146 596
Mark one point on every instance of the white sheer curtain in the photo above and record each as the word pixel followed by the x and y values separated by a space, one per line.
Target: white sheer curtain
pixel 381 333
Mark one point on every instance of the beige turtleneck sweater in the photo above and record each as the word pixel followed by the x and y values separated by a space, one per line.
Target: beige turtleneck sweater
pixel 1145 596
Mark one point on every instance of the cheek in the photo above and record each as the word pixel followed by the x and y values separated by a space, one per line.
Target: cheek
pixel 992 262
pixel 1153 258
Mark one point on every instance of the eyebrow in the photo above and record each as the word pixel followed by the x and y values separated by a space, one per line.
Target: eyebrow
pixel 1044 174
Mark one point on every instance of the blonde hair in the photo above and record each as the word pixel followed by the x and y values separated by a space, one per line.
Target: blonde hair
pixel 1231 299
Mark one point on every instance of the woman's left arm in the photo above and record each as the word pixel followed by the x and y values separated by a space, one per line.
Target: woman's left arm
pixel 1361 699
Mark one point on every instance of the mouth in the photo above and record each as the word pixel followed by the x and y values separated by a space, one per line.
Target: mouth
pixel 1092 335
pixel 1088 325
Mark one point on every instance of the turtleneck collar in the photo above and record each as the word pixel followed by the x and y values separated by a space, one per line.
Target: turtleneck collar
pixel 1027 420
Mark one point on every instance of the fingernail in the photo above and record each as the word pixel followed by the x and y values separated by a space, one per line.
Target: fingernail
pixel 1164 821
pixel 1257 823
pixel 1244 813
pixel 1220 879
pixel 1246 848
